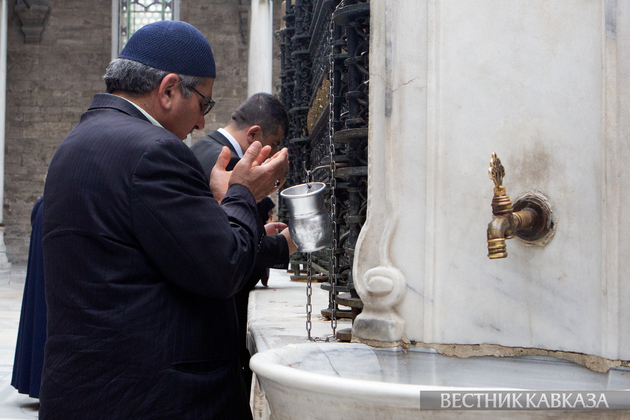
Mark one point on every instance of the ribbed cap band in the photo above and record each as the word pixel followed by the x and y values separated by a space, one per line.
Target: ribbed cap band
pixel 172 46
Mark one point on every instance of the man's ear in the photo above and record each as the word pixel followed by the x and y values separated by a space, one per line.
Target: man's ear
pixel 166 91
pixel 254 133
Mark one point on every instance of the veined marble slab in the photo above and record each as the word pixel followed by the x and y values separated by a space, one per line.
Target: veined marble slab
pixel 545 85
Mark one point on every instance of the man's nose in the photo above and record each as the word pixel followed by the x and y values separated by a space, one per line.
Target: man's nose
pixel 201 123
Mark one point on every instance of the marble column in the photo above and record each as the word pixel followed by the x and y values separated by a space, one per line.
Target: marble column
pixel 259 70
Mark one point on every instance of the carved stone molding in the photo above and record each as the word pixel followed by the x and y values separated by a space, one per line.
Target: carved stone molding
pixel 32 14
pixel 381 289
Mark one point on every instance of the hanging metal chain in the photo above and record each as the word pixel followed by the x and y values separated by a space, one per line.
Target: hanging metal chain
pixel 309 293
pixel 333 199
pixel 309 287
pixel 333 168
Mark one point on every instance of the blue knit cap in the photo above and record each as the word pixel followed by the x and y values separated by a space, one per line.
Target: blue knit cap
pixel 172 46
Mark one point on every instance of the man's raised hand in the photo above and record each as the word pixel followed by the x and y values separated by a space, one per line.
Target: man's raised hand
pixel 260 177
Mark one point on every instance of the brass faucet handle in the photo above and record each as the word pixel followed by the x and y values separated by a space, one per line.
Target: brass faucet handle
pixel 501 204
pixel 496 171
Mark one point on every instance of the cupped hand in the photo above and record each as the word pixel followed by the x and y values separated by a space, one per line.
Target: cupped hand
pixel 274 227
pixel 260 177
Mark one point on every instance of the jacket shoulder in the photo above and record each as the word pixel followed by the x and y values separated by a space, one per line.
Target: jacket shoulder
pixel 207 151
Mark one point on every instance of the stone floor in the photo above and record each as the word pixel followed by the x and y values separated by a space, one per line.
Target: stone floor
pixel 12 404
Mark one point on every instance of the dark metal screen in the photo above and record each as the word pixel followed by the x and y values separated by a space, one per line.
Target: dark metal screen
pixel 305 45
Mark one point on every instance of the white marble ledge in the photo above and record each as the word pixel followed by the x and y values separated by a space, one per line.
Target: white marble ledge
pixel 277 314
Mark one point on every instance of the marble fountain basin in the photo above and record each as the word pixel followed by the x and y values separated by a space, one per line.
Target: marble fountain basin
pixel 349 381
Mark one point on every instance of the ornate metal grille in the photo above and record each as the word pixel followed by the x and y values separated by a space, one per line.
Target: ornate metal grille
pixel 306 48
pixel 134 14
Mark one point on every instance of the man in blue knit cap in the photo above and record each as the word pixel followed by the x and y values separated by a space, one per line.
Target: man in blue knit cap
pixel 141 261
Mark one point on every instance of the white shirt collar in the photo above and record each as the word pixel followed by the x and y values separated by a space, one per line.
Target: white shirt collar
pixel 145 113
pixel 232 140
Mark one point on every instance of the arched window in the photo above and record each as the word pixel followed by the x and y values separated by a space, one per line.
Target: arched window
pixel 130 15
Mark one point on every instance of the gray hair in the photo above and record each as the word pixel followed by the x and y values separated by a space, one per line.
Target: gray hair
pixel 133 77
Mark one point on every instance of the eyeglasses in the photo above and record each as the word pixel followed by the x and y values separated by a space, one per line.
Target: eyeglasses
pixel 205 108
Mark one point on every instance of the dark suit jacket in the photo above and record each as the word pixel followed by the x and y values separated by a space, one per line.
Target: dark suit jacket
pixel 208 149
pixel 274 250
pixel 141 266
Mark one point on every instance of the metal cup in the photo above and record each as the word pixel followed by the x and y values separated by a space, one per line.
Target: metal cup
pixel 309 222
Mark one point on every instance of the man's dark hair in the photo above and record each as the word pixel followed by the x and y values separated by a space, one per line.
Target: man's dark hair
pixel 264 110
pixel 133 77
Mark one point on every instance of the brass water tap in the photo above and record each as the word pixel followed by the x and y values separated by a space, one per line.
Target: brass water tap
pixel 530 221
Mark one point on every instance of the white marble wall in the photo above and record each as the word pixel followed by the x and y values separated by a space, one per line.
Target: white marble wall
pixel 546 85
